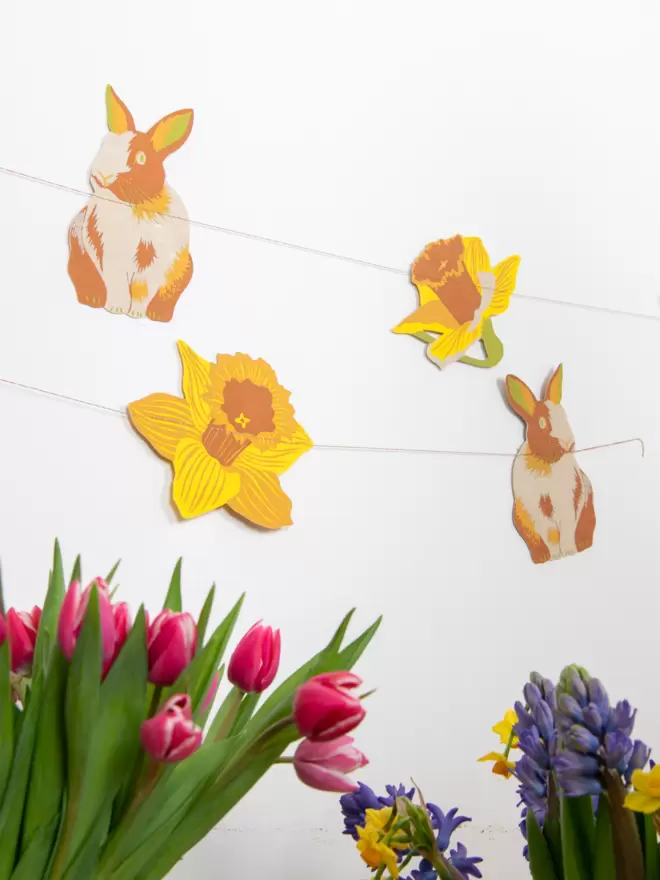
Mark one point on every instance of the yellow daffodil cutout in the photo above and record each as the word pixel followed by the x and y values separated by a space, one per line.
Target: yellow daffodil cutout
pixel 459 294
pixel 228 439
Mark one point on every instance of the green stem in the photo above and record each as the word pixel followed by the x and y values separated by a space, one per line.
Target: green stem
pixel 425 337
pixel 155 700
pixel 408 859
pixel 627 845
pixel 284 761
pixel 226 715
pixel 492 345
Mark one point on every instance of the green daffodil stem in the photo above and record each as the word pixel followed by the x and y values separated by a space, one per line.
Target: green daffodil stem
pixel 493 348
pixel 408 859
pixel 509 744
pixel 425 337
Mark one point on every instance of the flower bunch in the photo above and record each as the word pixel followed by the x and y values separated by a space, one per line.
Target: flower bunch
pixel 111 763
pixel 578 762
pixel 391 831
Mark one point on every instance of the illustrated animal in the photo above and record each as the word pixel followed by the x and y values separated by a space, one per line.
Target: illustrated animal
pixel 553 498
pixel 128 247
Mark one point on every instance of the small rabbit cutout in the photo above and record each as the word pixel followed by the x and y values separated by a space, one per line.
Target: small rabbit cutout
pixel 553 506
pixel 128 248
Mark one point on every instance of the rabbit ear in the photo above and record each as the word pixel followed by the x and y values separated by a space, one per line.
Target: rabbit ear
pixel 553 390
pixel 521 399
pixel 171 132
pixel 119 116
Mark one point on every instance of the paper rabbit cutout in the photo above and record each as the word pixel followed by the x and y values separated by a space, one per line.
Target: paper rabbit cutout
pixel 553 498
pixel 128 248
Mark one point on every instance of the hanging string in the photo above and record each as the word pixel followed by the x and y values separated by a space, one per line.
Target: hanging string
pixel 226 230
pixel 333 446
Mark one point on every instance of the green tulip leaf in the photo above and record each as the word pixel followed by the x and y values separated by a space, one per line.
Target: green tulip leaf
pixel 204 616
pixel 539 853
pixel 604 861
pixel 173 597
pixel 35 857
pixel 7 713
pixel 577 836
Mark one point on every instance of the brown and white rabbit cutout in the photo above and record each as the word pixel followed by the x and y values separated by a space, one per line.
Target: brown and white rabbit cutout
pixel 128 248
pixel 553 506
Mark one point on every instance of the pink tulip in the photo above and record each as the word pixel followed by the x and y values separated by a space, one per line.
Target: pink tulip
pixel 255 662
pixel 324 765
pixel 171 735
pixel 115 621
pixel 211 692
pixel 171 645
pixel 324 707
pixel 22 629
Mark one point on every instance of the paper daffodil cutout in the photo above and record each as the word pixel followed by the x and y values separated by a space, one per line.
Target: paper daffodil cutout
pixel 228 439
pixel 459 292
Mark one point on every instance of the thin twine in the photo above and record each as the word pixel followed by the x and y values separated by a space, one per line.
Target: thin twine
pixel 332 446
pixel 226 230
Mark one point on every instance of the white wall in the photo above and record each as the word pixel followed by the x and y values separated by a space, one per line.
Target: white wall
pixel 365 129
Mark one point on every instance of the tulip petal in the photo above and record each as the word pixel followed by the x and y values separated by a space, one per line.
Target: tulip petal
pixel 196 384
pixel 261 499
pixel 67 621
pixel 201 483
pixel 323 778
pixel 433 315
pixel 279 458
pixel 163 421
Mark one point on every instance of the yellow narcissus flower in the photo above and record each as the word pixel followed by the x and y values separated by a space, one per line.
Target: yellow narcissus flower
pixel 370 843
pixel 228 439
pixel 459 293
pixel 501 765
pixel 504 729
pixel 646 797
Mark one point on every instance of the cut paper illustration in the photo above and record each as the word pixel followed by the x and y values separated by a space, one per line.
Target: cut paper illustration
pixel 228 439
pixel 459 294
pixel 128 247
pixel 553 507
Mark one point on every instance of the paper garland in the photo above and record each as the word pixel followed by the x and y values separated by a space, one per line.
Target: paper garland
pixel 459 293
pixel 553 508
pixel 128 247
pixel 229 439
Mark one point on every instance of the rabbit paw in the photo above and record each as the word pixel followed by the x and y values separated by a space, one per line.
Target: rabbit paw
pixel 137 310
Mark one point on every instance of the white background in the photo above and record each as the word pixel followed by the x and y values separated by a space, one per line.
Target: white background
pixel 366 129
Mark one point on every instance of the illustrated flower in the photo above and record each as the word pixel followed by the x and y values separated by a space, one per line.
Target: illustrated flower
pixel 324 765
pixel 114 620
pixel 459 292
pixel 171 735
pixel 228 439
pixel 324 707
pixel 22 629
pixel 171 644
pixel 255 662
pixel 646 797
pixel 371 846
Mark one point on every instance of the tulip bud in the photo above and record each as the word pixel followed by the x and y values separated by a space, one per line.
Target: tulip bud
pixel 115 622
pixel 254 663
pixel 171 735
pixel 324 765
pixel 171 646
pixel 22 629
pixel 325 709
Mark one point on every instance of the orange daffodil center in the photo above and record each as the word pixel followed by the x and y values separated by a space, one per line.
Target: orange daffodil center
pixel 459 292
pixel 228 439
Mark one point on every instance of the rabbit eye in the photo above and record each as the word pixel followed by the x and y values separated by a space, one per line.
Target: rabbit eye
pixel 140 158
pixel 543 423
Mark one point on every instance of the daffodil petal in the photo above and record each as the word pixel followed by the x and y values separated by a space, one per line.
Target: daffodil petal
pixel 641 803
pixel 452 346
pixel 280 457
pixel 433 315
pixel 475 258
pixel 201 483
pixel 261 499
pixel 505 273
pixel 426 293
pixel 196 383
pixel 163 421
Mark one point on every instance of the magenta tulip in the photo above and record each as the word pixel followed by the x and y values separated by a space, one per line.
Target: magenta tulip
pixel 324 765
pixel 171 735
pixel 255 662
pixel 115 621
pixel 171 646
pixel 22 627
pixel 324 707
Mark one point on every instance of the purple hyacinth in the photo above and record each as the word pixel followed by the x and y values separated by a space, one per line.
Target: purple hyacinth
pixel 445 824
pixel 593 736
pixel 354 807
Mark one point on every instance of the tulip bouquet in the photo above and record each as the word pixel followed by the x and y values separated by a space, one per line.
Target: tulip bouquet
pixel 587 803
pixel 112 765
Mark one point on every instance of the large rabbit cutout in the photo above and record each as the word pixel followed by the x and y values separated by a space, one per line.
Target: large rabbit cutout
pixel 128 247
pixel 553 506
